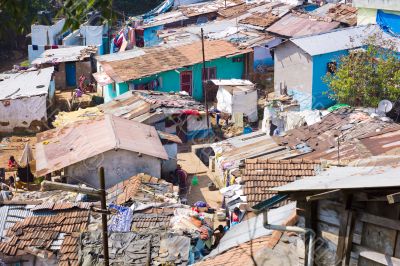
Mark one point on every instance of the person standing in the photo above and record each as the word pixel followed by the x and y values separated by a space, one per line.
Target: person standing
pixel 182 180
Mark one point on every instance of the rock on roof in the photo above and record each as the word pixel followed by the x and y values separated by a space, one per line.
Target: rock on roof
pixel 25 84
pixel 160 59
pixel 260 176
pixel 68 54
pixel 75 142
pixel 131 189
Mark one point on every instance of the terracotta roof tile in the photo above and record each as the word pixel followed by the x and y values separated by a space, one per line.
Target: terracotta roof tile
pixel 261 175
pixel 41 231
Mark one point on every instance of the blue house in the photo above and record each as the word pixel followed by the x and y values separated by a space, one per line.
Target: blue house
pixel 302 62
pixel 171 69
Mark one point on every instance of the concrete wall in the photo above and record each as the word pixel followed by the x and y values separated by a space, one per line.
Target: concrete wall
pixel 393 5
pixel 293 67
pixel 170 165
pixel 118 165
pixel 23 114
pixel 320 99
pixel 46 35
pixel 368 15
pixel 29 260
pixel 170 80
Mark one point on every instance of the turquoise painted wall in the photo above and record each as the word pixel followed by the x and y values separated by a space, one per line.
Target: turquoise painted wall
pixel 109 93
pixel 320 100
pixel 170 80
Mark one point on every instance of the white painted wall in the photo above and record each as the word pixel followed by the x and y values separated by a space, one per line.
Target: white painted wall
pixel 293 67
pixel 21 112
pixel 46 35
pixel 119 165
pixel 195 122
pixel 239 102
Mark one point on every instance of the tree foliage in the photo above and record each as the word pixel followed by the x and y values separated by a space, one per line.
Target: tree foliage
pixel 366 76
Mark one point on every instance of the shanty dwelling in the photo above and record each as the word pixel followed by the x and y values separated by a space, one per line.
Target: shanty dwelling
pixel 69 63
pixel 352 212
pixel 378 12
pixel 173 113
pixel 47 34
pixel 25 99
pixel 123 147
pixel 176 68
pixel 302 62
pixel 237 97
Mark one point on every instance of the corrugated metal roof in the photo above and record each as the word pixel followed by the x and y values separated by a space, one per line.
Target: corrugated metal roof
pixel 25 84
pixel 340 39
pixel 297 25
pixel 348 178
pixel 338 12
pixel 75 142
pixel 68 54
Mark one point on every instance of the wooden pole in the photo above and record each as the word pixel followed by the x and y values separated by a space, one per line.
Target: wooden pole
pixel 49 185
pixel 104 216
pixel 204 80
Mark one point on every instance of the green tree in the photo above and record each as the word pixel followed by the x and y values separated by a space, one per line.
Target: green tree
pixel 367 75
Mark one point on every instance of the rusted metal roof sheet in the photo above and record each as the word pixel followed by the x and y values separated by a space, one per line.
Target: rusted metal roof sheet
pixel 161 59
pixel 360 136
pixel 293 25
pixel 75 142
pixel 338 12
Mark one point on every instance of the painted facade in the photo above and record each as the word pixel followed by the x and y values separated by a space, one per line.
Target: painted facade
pixel 226 68
pixel 303 74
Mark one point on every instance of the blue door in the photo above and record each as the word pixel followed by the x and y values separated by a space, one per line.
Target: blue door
pixel 70 74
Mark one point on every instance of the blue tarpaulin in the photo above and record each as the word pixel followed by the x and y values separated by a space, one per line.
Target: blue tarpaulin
pixel 121 222
pixel 162 8
pixel 389 23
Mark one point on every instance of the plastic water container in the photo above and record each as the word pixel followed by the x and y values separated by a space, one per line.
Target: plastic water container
pixel 247 130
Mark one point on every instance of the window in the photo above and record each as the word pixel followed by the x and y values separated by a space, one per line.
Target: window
pixel 331 67
pixel 209 73
pixel 237 59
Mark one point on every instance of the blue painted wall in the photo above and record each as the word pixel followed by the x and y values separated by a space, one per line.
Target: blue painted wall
pixel 150 36
pixel 320 99
pixel 170 80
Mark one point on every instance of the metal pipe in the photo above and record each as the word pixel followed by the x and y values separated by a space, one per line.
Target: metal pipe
pixel 295 229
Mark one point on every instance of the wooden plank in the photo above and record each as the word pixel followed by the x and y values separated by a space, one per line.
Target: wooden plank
pixel 48 186
pixel 379 258
pixel 345 221
pixel 379 238
pixel 349 237
pixel 325 195
pixel 311 223
pixel 378 220
pixel 393 198
pixel 329 211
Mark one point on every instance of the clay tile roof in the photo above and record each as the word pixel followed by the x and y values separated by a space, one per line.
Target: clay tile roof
pixel 147 221
pixel 69 250
pixel 40 232
pixel 160 59
pixel 261 175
